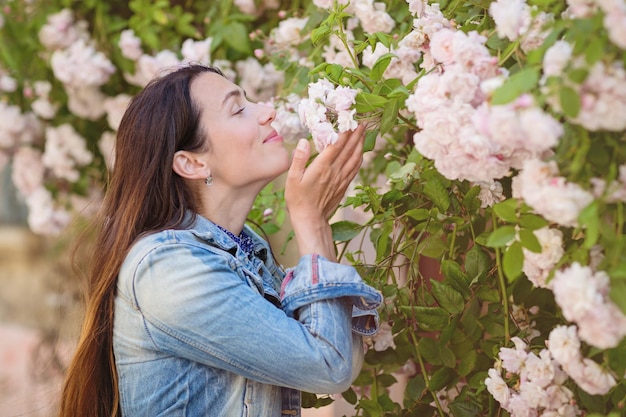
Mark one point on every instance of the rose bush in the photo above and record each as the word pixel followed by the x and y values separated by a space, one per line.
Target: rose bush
pixel 492 196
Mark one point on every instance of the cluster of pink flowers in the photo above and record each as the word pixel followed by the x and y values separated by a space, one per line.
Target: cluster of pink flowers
pixel 466 136
pixel 564 346
pixel 287 121
pixel 583 296
pixel 76 63
pixel 532 385
pixel 539 185
pixel 517 20
pixel 602 93
pixel 328 110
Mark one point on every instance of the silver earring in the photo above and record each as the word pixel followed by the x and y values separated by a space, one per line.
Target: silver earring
pixel 208 181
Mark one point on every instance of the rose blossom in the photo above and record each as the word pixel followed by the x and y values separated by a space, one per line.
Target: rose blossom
pixel 80 65
pixel 498 388
pixel 551 196
pixel 115 108
pixel 60 30
pixel 65 151
pixel 197 51
pixel 43 216
pixel 130 45
pixel 512 18
pixel 537 266
pixel 28 170
pixel 564 344
pixel 288 31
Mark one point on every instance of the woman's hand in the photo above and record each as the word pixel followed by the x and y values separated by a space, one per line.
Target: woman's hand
pixel 313 193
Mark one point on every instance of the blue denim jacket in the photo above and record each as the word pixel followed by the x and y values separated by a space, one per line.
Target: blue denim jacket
pixel 201 329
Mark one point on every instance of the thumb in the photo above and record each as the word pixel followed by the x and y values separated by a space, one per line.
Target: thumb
pixel 300 158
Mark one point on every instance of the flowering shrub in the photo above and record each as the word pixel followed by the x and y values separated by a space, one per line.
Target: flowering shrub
pixel 491 200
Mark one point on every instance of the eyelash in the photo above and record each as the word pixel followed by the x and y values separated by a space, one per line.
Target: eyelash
pixel 240 110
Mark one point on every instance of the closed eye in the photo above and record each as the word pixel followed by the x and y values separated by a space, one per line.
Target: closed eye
pixel 240 110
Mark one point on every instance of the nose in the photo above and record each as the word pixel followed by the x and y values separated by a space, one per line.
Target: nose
pixel 267 113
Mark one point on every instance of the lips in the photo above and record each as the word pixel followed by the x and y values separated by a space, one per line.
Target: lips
pixel 273 137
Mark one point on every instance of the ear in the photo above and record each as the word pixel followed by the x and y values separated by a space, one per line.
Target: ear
pixel 190 165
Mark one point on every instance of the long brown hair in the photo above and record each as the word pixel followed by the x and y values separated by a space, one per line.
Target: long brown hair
pixel 144 195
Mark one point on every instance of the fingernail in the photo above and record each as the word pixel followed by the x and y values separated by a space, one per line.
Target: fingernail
pixel 302 144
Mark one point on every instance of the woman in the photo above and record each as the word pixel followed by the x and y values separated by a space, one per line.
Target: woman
pixel 188 315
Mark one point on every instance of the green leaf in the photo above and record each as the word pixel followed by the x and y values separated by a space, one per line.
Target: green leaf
pixel 345 230
pixel 455 276
pixel 617 360
pixel 467 363
pixel 418 214
pixel 618 272
pixel 618 294
pixel 390 116
pixel 371 407
pixel 404 172
pixel 477 263
pixel 595 50
pixel 429 318
pixel 529 241
pixel 519 83
pixel 570 101
pixel 590 220
pixel 308 400
pixel 432 246
pixel 488 294
pixel 380 66
pixel 464 408
pixel 532 221
pixel 320 33
pixel 501 236
pixel 447 357
pixel 507 210
pixel 470 200
pixel 350 396
pixel 238 37
pixel 447 297
pixel 513 261
pixel 367 102
pixel 437 193
pixel 370 140
pixel 578 75
pixel 441 378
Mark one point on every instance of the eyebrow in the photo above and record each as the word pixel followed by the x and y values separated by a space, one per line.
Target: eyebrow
pixel 238 92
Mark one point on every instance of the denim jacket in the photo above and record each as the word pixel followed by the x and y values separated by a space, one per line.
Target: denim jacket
pixel 202 329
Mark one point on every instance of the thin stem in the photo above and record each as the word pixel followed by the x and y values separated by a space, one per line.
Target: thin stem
pixel 505 299
pixel 420 360
pixel 513 47
pixel 408 123
pixel 620 218
pixel 453 242
pixel 345 44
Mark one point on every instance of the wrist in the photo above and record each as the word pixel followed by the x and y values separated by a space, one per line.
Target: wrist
pixel 315 238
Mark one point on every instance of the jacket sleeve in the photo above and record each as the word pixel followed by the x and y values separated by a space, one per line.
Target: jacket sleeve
pixel 195 305
pixel 315 279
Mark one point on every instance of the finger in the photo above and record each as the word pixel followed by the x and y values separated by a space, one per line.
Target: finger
pixel 348 144
pixel 353 156
pixel 300 157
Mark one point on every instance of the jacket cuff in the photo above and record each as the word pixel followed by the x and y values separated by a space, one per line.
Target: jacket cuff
pixel 315 279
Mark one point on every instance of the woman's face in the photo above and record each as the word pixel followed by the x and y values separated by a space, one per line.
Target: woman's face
pixel 244 149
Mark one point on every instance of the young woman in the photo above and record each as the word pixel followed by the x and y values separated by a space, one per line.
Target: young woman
pixel 188 314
